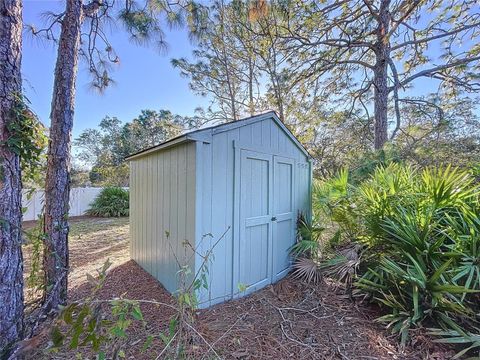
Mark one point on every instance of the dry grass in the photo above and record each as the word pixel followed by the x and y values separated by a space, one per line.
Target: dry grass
pixel 92 242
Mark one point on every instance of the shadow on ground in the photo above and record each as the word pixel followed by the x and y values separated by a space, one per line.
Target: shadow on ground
pixel 286 320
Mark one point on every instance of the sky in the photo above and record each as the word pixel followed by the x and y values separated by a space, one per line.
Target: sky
pixel 144 78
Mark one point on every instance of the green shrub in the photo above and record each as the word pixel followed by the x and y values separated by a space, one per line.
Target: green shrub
pixel 111 202
pixel 307 250
pixel 419 232
pixel 308 238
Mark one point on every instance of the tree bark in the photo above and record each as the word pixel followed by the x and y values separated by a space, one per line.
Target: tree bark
pixel 251 104
pixel 380 79
pixel 57 183
pixel 11 261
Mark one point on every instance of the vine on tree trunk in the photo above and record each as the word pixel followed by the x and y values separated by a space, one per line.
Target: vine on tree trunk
pixel 28 139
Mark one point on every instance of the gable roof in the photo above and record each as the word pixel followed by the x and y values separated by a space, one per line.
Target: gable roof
pixel 205 133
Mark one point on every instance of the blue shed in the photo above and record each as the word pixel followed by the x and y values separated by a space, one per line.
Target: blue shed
pixel 232 192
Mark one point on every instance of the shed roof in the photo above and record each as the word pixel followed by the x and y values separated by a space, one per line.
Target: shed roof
pixel 202 134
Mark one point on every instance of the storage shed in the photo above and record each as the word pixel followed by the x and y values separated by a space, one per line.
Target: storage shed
pixel 232 192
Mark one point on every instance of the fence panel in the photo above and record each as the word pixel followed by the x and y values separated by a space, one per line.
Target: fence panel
pixel 80 200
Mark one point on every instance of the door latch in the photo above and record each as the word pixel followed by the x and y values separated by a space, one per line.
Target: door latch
pixel 274 218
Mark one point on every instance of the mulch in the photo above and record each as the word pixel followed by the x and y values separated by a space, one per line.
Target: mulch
pixel 287 320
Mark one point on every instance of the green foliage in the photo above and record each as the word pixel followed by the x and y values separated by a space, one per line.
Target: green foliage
pixel 110 175
pixel 225 65
pixel 308 238
pixel 36 238
pixel 106 147
pixel 307 250
pixel 261 55
pixel 345 66
pixel 420 235
pixel 332 199
pixel 84 324
pixel 27 138
pixel 190 284
pixel 437 131
pixel 458 336
pixel 79 177
pixel 111 202
pixel 103 325
pixel 365 165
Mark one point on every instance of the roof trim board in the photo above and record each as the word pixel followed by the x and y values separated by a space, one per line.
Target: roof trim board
pixel 206 133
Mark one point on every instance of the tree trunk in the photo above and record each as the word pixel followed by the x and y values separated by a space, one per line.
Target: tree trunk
pixel 57 183
pixel 380 80
pixel 275 79
pixel 251 104
pixel 11 261
pixel 278 94
pixel 230 84
pixel 381 104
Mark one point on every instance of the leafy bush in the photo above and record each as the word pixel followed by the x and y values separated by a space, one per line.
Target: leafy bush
pixel 307 250
pixel 332 203
pixel 308 238
pixel 419 235
pixel 111 202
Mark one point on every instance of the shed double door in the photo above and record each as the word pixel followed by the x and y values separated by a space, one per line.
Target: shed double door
pixel 267 218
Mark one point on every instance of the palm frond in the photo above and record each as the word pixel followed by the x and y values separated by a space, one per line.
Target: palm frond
pixel 307 270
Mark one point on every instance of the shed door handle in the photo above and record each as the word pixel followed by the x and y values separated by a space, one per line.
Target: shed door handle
pixel 274 218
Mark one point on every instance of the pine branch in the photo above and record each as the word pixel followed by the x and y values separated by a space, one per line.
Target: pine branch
pixel 436 37
pixel 405 16
pixel 438 69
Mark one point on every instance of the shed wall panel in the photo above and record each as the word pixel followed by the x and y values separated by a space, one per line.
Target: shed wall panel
pixel 204 236
pixel 303 174
pixel 191 191
pixel 220 269
pixel 132 206
pixel 163 201
pixel 218 212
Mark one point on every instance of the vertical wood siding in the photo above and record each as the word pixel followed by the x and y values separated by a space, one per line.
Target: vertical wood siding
pixel 218 202
pixel 188 191
pixel 133 174
pixel 162 199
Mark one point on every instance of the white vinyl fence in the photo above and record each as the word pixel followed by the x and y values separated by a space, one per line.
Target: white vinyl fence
pixel 80 200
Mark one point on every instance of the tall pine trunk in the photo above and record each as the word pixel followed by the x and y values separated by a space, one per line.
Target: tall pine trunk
pixel 11 261
pixel 380 102
pixel 57 184
pixel 380 79
pixel 251 104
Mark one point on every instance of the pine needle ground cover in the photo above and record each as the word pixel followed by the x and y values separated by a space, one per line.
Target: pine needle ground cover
pixel 290 319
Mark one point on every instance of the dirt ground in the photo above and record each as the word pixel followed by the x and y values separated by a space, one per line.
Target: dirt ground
pixel 92 242
pixel 289 320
